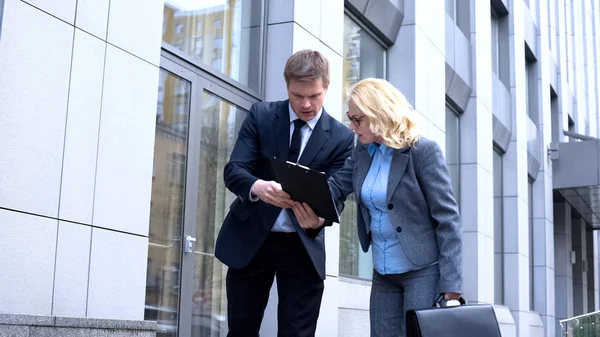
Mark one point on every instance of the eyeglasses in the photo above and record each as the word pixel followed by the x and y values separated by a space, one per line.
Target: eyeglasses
pixel 355 120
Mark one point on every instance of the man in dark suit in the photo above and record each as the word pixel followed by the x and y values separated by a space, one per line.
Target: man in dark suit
pixel 261 237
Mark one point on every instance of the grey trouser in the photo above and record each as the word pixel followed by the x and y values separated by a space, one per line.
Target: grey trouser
pixel 392 295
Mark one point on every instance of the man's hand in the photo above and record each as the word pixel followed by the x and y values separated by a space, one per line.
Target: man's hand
pixel 271 193
pixel 306 217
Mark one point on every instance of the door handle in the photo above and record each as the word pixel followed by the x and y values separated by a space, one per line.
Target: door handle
pixel 189 244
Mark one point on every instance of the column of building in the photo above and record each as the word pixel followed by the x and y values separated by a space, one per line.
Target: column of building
pixel 515 183
pixel 477 162
pixel 543 226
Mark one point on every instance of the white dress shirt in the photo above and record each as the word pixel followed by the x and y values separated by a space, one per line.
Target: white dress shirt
pixel 283 222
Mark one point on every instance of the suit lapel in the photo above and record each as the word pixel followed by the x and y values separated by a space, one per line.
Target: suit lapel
pixel 318 137
pixel 363 163
pixel 281 130
pixel 397 169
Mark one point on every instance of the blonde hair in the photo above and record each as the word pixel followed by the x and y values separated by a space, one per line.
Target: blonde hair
pixel 390 114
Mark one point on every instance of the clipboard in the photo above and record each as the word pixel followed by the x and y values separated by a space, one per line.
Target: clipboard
pixel 304 184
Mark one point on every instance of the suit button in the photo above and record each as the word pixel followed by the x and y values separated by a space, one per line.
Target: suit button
pixel 398 229
pixel 390 206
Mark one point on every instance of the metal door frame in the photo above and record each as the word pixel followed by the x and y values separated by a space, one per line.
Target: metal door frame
pixel 200 81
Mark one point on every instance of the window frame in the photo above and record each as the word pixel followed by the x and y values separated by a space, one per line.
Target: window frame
pixel 499 289
pixel 218 75
pixel 364 29
pixel 530 224
pixel 450 107
pixel 495 28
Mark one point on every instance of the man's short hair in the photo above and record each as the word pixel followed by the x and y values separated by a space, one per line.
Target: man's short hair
pixel 307 65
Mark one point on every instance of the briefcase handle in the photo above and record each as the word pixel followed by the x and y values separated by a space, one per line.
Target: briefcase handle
pixel 437 303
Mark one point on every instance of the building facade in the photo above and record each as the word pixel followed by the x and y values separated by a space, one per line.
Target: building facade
pixel 117 118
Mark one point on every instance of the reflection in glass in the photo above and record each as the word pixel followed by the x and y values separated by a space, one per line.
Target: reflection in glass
pixel 221 122
pixel 495 43
pixel 450 8
pixel 168 192
pixel 222 34
pixel 498 230
pixel 363 57
pixel 453 150
pixel 531 242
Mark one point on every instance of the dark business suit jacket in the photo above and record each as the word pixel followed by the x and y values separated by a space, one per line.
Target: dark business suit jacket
pixel 266 134
pixel 421 206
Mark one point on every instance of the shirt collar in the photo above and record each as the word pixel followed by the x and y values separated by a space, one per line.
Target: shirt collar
pixel 311 123
pixel 382 148
pixel 372 148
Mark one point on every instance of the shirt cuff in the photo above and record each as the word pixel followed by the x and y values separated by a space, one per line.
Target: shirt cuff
pixel 252 197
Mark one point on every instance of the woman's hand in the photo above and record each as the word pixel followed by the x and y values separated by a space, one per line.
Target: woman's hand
pixel 306 217
pixel 451 296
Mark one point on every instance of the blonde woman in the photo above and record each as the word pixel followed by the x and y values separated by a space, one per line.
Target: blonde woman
pixel 407 211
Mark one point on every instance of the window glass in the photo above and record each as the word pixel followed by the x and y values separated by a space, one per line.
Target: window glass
pixel 498 230
pixel 221 122
pixel 530 216
pixel 495 42
pixel 363 57
pixel 167 203
pixel 530 89
pixel 450 8
pixel 453 149
pixel 459 12
pixel 222 34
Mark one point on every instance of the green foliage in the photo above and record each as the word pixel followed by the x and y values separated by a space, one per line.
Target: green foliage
pixel 583 327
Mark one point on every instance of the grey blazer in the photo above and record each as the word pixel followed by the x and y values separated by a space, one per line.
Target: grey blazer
pixel 421 206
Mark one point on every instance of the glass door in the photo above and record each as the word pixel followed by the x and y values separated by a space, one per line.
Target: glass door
pixel 219 120
pixel 197 122
pixel 198 119
pixel 175 103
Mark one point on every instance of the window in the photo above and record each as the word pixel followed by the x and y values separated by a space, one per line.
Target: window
pixel 499 45
pixel 216 62
pixel 364 57
pixel 495 43
pixel 453 149
pixel 458 10
pixel 531 241
pixel 498 230
pixel 198 42
pixel 450 8
pixel 531 89
pixel 235 27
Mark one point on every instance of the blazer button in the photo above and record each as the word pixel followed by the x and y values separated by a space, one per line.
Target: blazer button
pixel 390 206
pixel 398 229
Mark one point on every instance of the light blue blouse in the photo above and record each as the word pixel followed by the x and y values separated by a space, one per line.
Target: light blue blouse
pixel 388 254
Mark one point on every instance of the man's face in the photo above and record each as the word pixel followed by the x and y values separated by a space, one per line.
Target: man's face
pixel 306 98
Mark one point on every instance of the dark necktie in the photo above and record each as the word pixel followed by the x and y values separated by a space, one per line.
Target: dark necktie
pixel 296 143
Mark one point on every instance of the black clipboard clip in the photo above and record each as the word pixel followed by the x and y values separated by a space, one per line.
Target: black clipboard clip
pixel 304 184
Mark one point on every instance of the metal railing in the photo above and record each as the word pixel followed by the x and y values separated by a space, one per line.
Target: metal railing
pixel 578 136
pixel 587 325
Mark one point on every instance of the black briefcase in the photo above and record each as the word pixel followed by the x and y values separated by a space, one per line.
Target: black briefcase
pixel 455 321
